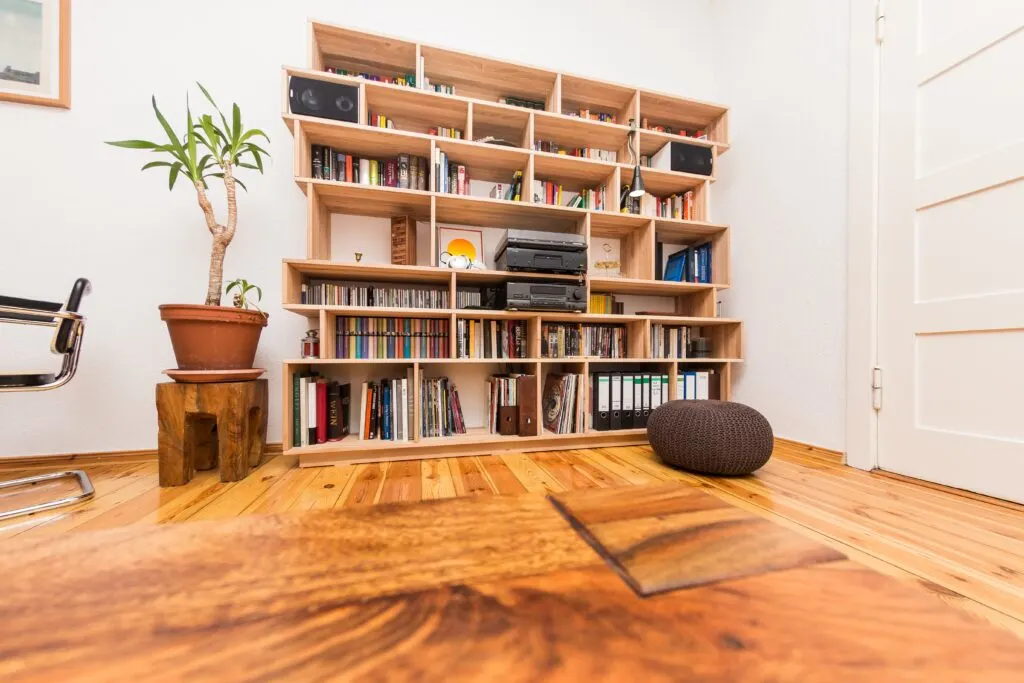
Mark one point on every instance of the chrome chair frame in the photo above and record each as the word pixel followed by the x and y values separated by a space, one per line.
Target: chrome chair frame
pixel 69 329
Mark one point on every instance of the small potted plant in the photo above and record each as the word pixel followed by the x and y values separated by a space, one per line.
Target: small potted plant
pixel 210 336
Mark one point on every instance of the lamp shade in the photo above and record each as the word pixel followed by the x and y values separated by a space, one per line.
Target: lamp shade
pixel 636 188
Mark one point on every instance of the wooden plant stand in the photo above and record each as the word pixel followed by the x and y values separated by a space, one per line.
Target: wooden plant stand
pixel 202 426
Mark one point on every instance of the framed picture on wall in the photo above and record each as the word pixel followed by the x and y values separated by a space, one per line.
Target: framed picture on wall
pixel 460 248
pixel 35 52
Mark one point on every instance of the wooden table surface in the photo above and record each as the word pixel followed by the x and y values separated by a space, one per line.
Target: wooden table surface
pixel 655 583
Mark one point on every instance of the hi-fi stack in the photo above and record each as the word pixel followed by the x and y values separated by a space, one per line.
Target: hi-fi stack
pixel 535 251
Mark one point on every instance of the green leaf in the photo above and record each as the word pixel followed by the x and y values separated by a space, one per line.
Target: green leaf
pixel 154 164
pixel 241 184
pixel 242 164
pixel 134 144
pixel 190 140
pixel 254 147
pixel 231 285
pixel 259 161
pixel 254 131
pixel 175 143
pixel 175 169
pixel 236 124
pixel 259 293
pixel 222 118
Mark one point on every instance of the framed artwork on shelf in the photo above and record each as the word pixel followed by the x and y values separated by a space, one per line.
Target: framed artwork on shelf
pixel 604 255
pixel 459 248
pixel 35 52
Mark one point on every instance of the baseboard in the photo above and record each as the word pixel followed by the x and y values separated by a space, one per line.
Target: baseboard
pixel 94 459
pixel 817 451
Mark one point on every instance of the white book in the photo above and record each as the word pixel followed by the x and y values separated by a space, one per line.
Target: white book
pixel 362 412
pixel 703 385
pixel 364 171
pixel 311 409
pixel 303 409
pixel 691 386
pixel 394 410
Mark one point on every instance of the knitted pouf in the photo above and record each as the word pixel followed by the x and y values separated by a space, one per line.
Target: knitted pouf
pixel 710 437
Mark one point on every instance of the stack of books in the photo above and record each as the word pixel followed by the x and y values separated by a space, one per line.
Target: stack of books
pixel 404 171
pixel 440 408
pixel 669 341
pixel 584 152
pixel 386 409
pixel 567 340
pixel 491 338
pixel 545 192
pixel 445 132
pixel 696 133
pixel 345 293
pixel 607 304
pixel 512 404
pixel 445 88
pixel 692 264
pixel 320 409
pixel 381 121
pixel 375 338
pixel 563 403
pixel 678 206
pixel 407 80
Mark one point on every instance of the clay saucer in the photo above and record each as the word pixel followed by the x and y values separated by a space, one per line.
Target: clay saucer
pixel 205 376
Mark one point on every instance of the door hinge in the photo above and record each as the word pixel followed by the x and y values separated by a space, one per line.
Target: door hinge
pixel 876 388
pixel 880 21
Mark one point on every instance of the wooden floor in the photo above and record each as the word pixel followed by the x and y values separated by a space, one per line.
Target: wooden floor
pixel 966 549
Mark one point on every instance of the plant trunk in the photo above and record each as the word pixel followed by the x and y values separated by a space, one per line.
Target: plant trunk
pixel 216 282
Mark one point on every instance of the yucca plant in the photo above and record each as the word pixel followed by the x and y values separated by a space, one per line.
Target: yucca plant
pixel 242 288
pixel 208 149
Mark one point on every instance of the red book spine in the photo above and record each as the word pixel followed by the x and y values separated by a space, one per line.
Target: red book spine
pixel 321 412
pixel 462 180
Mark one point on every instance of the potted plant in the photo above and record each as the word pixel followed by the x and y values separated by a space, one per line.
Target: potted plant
pixel 210 336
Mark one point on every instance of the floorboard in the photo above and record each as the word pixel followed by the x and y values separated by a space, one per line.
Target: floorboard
pixel 965 548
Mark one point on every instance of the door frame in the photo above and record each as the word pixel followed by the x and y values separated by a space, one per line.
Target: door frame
pixel 862 235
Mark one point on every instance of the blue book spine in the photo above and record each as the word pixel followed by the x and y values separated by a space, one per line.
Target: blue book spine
pixel 385 411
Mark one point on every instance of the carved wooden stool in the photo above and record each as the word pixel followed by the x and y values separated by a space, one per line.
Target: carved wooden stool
pixel 203 425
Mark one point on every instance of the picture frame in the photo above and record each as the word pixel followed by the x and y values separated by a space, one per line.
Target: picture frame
pixel 35 52
pixel 460 248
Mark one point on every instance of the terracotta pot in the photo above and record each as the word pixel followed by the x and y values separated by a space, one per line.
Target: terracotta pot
pixel 213 337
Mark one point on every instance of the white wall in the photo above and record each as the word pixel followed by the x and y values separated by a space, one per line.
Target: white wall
pixel 71 206
pixel 781 67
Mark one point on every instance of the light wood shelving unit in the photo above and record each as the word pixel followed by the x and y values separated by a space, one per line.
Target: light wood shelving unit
pixel 480 82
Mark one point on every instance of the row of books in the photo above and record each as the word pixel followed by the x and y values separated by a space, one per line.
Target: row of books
pixel 449 177
pixel 624 400
pixel 440 408
pixel 446 88
pixel 670 341
pixel 386 409
pixel 320 409
pixel 673 206
pixel 345 293
pixel 692 264
pixel 563 340
pixel 584 152
pixel 592 115
pixel 545 192
pixel 360 337
pixel 380 121
pixel 490 338
pixel 467 298
pixel 512 404
pixel 696 133
pixel 522 102
pixel 444 132
pixel 404 171
pixel 563 403
pixel 605 303
pixel 407 80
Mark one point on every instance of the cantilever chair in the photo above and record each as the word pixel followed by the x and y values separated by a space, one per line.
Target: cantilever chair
pixel 69 326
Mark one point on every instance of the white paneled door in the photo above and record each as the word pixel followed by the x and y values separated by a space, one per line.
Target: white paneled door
pixel 951 243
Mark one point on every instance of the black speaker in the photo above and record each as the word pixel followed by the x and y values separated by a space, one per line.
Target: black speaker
pixel 336 101
pixel 680 156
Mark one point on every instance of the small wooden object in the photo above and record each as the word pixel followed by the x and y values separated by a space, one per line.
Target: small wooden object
pixel 403 241
pixel 202 426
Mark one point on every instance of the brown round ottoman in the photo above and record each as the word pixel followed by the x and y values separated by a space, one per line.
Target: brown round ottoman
pixel 710 437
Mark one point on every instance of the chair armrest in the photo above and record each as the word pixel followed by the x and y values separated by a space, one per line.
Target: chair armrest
pixel 35 310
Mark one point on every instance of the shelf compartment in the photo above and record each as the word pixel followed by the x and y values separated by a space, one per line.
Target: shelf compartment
pixel 365 141
pixel 487 79
pixel 599 97
pixel 570 170
pixel 689 233
pixel 570 131
pixel 416 110
pixel 679 113
pixel 664 183
pixel 651 141
pixel 490 163
pixel 636 244
pixel 340 47
pixel 503 122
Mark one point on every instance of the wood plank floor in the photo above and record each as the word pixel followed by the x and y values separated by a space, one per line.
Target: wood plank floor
pixel 966 549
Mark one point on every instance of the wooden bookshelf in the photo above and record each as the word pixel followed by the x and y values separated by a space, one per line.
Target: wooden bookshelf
pixel 475 109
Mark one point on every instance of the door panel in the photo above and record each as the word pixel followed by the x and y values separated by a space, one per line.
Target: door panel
pixel 951 244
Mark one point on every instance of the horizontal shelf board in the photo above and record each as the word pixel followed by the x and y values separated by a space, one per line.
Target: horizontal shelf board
pixel 365 141
pixel 370 200
pixel 572 171
pixel 369 311
pixel 663 183
pixel 601 96
pixel 501 213
pixel 664 109
pixel 341 44
pixel 493 163
pixel 668 229
pixel 409 361
pixel 368 271
pixel 625 285
pixel 467 277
